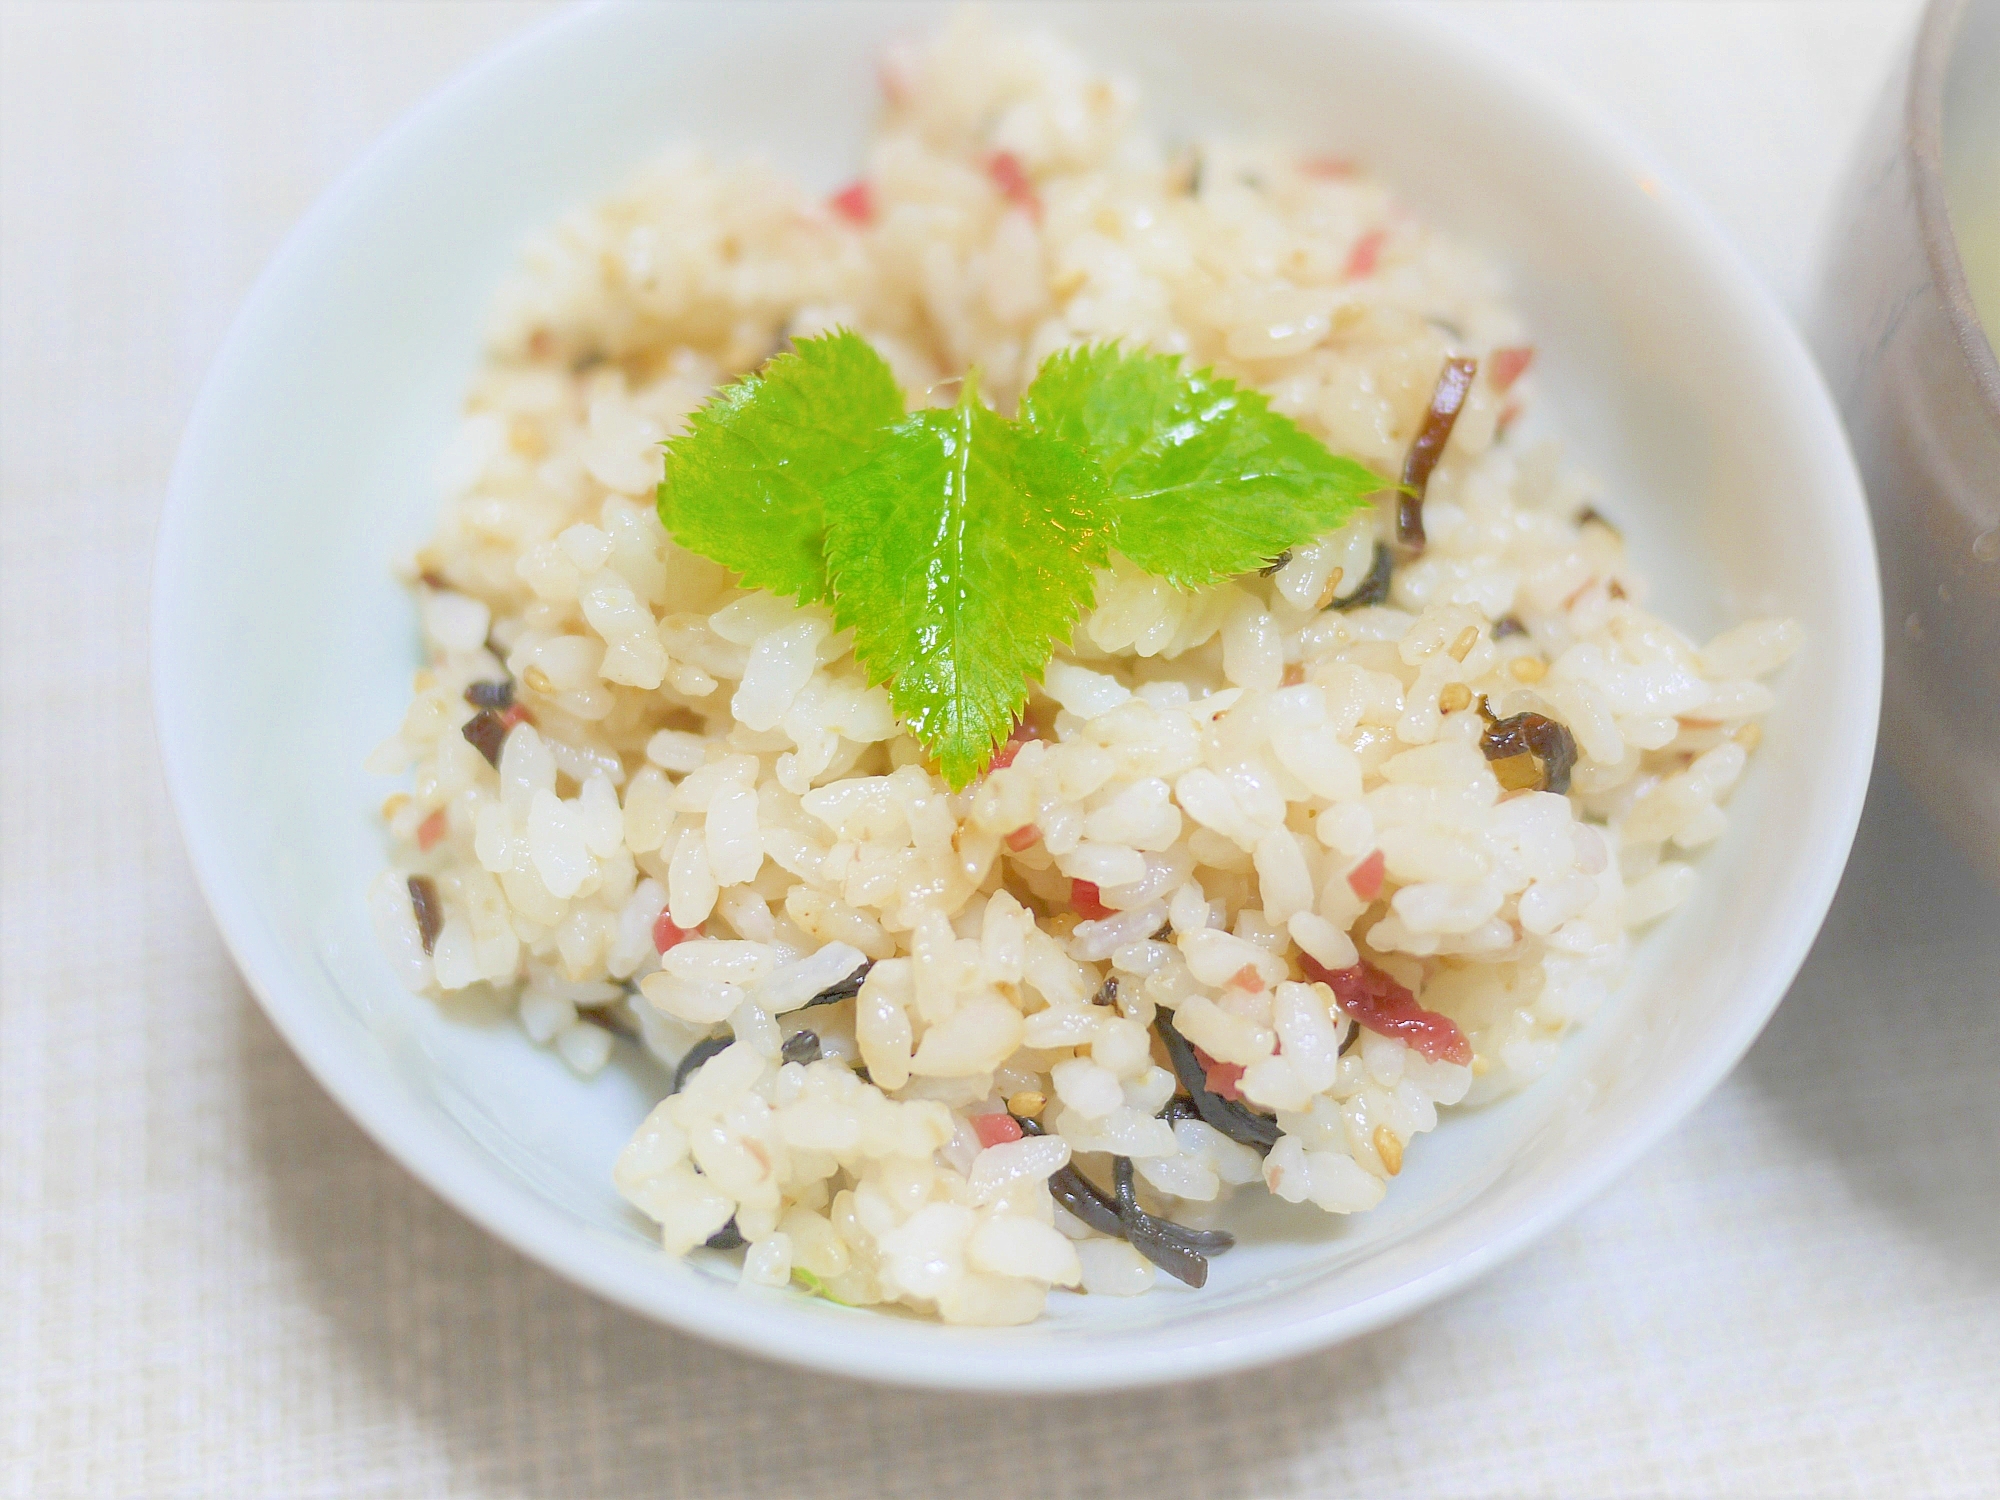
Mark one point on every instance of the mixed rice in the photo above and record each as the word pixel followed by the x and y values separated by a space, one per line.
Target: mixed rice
pixel 952 1050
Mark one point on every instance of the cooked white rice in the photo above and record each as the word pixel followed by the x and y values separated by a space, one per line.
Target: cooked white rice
pixel 1219 761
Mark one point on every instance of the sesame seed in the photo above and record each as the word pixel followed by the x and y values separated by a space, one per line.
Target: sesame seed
pixel 1326 595
pixel 1389 1146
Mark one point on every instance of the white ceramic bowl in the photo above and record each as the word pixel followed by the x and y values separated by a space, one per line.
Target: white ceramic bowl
pixel 283 651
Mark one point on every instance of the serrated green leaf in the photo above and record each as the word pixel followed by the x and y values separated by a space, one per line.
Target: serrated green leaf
pixel 1205 480
pixel 959 546
pixel 744 482
pixel 960 552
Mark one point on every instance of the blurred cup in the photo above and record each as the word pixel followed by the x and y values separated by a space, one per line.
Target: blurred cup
pixel 1908 317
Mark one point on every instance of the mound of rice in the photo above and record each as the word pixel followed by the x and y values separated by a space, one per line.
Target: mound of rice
pixel 679 765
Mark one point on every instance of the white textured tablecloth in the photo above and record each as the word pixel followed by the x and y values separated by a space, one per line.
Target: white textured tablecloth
pixel 212 1284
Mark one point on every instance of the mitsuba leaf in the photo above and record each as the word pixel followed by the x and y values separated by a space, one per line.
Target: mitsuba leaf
pixel 959 546
pixel 960 552
pixel 1204 480
pixel 744 483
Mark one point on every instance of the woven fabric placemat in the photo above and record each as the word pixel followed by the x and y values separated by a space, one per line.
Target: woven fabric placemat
pixel 211 1284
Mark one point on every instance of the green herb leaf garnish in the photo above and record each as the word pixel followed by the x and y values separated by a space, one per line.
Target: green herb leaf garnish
pixel 744 482
pixel 1205 480
pixel 960 553
pixel 959 546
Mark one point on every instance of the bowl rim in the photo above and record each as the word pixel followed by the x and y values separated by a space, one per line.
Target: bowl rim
pixel 1923 144
pixel 465 1179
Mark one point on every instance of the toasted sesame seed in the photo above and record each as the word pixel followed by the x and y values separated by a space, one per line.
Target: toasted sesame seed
pixel 1027 1104
pixel 1528 668
pixel 538 681
pixel 1456 696
pixel 1467 639
pixel 1326 595
pixel 1389 1146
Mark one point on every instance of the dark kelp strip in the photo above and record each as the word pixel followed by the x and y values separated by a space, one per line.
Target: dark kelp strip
pixel 428 911
pixel 1454 383
pixel 1529 752
pixel 486 732
pixel 1234 1120
pixel 498 696
pixel 1078 1193
pixel 1086 1200
pixel 696 1055
pixel 847 989
pixel 1125 1190
pixel 801 1047
pixel 1374 589
pixel 728 1237
pixel 1190 1266
pixel 1179 1251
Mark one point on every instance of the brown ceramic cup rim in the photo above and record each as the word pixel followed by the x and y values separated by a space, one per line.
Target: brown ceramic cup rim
pixel 1924 135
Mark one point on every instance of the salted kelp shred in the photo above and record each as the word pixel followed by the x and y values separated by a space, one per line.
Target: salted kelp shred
pixel 695 1056
pixel 1454 383
pixel 845 989
pixel 801 1047
pixel 1234 1120
pixel 498 695
pixel 1077 1193
pixel 1374 589
pixel 429 913
pixel 486 732
pixel 1530 752
pixel 1179 1251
